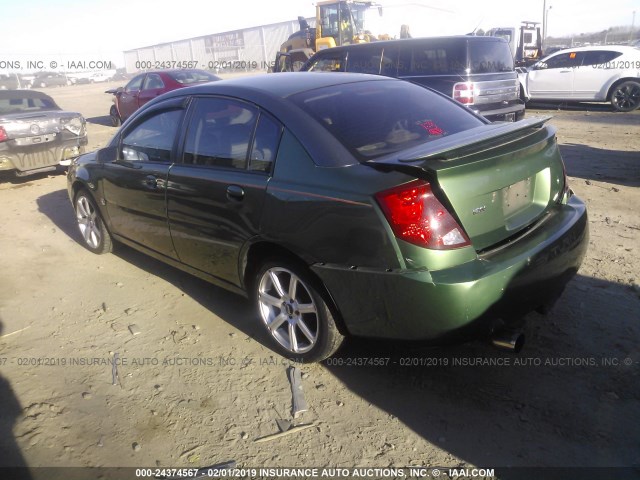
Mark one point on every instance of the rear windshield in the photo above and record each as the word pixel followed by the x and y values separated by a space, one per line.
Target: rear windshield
pixel 12 102
pixel 377 118
pixel 490 57
pixel 192 76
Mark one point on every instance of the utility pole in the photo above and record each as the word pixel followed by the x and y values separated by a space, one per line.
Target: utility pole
pixel 544 20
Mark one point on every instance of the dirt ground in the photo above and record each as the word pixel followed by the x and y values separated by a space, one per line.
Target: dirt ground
pixel 197 385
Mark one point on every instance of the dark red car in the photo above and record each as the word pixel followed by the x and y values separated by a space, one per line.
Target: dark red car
pixel 147 86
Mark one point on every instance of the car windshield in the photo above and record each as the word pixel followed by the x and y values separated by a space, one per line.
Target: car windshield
pixel 192 76
pixel 16 102
pixel 377 118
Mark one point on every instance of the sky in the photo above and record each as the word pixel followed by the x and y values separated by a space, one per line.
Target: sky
pixel 103 29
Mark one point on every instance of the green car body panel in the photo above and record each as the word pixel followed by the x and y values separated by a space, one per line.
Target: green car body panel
pixel 504 184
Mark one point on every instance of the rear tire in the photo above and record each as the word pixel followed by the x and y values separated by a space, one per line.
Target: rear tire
pixel 92 228
pixel 625 97
pixel 294 313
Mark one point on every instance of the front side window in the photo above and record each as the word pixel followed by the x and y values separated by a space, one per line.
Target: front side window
pixel 375 118
pixel 134 84
pixel 152 140
pixel 153 81
pixel 562 60
pixel 220 133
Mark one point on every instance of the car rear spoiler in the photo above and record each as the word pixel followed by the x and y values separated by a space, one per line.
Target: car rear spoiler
pixel 458 145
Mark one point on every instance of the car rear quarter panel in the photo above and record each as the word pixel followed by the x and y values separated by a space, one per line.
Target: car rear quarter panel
pixel 328 214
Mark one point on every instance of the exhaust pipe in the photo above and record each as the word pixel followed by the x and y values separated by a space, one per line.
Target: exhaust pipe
pixel 510 340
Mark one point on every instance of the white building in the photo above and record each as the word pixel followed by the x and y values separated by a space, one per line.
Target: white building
pixel 252 48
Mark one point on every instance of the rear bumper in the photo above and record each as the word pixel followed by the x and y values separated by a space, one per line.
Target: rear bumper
pixel 495 113
pixel 34 157
pixel 429 305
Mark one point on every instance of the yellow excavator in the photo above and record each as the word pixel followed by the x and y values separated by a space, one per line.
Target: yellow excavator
pixel 337 23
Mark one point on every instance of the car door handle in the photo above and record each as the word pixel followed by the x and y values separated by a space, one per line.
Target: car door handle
pixel 152 181
pixel 234 192
pixel 565 71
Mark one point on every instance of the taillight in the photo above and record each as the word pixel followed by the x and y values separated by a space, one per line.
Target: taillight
pixel 3 134
pixel 565 193
pixel 463 92
pixel 417 216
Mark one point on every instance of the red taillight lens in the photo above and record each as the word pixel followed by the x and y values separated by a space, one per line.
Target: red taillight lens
pixel 3 134
pixel 565 193
pixel 416 216
pixel 463 92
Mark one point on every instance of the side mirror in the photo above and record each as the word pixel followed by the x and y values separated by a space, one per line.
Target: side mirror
pixel 107 154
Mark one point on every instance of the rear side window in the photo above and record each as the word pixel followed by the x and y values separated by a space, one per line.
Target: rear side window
pixel 377 118
pixel 219 133
pixel 364 60
pixel 598 57
pixel 490 57
pixel 434 58
pixel 265 145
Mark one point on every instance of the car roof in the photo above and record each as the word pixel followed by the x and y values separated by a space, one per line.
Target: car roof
pixel 619 48
pixel 413 41
pixel 15 94
pixel 280 85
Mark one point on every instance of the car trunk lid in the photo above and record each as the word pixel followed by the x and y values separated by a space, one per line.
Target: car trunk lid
pixel 496 179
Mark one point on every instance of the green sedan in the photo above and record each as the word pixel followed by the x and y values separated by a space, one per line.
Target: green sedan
pixel 341 204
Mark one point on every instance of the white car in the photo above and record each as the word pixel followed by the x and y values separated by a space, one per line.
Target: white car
pixel 99 77
pixel 591 74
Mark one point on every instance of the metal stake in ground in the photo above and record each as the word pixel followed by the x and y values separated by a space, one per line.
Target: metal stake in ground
pixel 299 403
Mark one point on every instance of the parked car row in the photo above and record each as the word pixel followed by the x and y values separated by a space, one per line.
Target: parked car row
pixel 341 204
pixel 479 72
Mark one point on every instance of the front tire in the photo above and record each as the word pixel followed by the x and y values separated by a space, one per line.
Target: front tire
pixel 294 313
pixel 116 121
pixel 92 228
pixel 625 97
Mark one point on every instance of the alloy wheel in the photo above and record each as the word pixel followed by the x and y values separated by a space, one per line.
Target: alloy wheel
pixel 88 222
pixel 288 310
pixel 626 97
